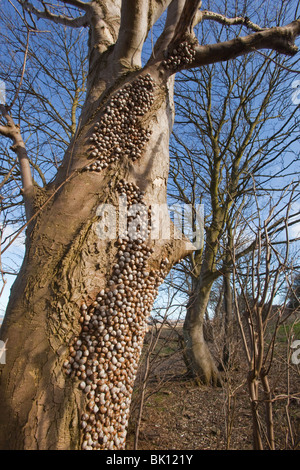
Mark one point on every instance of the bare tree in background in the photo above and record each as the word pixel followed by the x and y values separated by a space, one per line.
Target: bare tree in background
pixel 77 311
pixel 235 121
pixel 258 284
pixel 45 72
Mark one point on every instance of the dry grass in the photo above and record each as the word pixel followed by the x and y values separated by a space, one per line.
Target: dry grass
pixel 179 415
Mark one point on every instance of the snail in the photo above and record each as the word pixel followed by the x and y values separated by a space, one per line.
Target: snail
pixel 104 356
pixel 183 54
pixel 119 132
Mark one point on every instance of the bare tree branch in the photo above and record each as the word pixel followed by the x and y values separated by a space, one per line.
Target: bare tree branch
pixel 133 32
pixel 77 3
pixel 23 71
pixel 185 24
pixel 78 22
pixel 12 131
pixel 238 20
pixel 173 16
pixel 157 9
pixel 136 20
pixel 288 69
pixel 280 39
pixel 4 130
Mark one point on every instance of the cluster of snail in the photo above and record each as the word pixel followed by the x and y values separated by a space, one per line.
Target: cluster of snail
pixel 120 133
pixel 104 356
pixel 183 54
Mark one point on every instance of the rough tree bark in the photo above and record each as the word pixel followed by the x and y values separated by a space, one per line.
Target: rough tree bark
pixel 199 360
pixel 202 364
pixel 76 317
pixel 228 301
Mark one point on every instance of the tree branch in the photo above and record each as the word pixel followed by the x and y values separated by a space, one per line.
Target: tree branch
pixel 133 32
pixel 280 39
pixel 4 130
pixel 157 9
pixel 173 16
pixel 238 20
pixel 143 20
pixel 78 3
pixel 186 22
pixel 22 73
pixel 78 22
pixel 12 131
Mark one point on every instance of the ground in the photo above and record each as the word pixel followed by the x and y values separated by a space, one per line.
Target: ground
pixel 180 415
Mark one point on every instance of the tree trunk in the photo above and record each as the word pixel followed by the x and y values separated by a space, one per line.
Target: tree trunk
pixel 76 318
pixel 201 364
pixel 228 327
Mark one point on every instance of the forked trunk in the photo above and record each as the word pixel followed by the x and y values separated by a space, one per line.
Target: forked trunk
pixel 77 315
